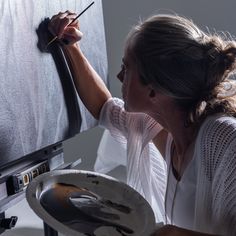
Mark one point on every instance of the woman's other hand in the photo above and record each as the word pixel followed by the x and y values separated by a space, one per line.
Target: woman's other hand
pixel 167 230
pixel 60 25
pixel 171 230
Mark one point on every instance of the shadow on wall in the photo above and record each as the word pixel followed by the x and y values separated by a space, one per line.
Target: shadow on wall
pixel 74 116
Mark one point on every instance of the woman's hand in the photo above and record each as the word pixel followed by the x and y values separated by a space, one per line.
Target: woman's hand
pixel 167 230
pixel 90 87
pixel 171 230
pixel 60 25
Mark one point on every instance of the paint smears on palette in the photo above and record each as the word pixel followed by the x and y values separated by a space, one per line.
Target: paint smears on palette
pixel 78 202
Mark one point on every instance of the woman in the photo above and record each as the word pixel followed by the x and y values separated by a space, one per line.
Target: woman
pixel 179 101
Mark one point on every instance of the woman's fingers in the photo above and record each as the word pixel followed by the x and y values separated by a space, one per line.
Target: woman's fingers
pixel 59 22
pixel 61 25
pixel 63 14
pixel 71 35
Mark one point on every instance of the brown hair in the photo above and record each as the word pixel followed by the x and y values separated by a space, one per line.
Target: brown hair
pixel 182 61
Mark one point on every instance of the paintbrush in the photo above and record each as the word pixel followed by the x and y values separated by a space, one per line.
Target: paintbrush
pixel 51 41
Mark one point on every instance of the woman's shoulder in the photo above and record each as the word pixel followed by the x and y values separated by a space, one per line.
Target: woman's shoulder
pixel 215 142
pixel 113 112
pixel 114 101
pixel 219 123
pixel 115 104
pixel 217 132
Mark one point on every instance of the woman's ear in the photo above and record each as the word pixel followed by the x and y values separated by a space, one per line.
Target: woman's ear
pixel 152 93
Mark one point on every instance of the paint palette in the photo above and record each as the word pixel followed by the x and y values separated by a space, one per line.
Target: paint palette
pixel 77 202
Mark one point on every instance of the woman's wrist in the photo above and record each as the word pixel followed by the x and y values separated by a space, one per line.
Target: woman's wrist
pixel 72 49
pixel 71 46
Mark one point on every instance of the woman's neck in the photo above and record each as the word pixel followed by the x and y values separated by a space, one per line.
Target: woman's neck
pixel 173 122
pixel 183 145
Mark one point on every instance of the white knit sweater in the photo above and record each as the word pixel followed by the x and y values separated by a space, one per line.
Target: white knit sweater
pixel 215 206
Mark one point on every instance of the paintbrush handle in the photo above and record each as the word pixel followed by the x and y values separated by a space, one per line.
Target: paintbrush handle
pixel 81 13
pixel 52 40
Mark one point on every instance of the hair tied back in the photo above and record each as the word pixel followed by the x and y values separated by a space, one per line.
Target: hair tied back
pixel 226 89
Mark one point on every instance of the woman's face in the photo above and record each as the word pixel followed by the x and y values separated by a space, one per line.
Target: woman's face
pixel 133 91
pixel 143 98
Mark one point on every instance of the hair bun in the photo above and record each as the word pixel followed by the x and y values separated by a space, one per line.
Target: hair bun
pixel 213 53
pixel 228 56
pixel 226 89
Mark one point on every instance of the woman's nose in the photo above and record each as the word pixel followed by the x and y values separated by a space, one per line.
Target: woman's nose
pixel 120 76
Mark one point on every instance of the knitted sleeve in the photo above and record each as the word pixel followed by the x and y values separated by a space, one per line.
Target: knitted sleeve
pixel 114 118
pixel 123 124
pixel 219 152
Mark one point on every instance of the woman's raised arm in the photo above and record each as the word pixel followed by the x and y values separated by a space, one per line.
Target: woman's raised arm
pixel 90 87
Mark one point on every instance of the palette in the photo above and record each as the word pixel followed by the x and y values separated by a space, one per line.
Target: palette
pixel 77 202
